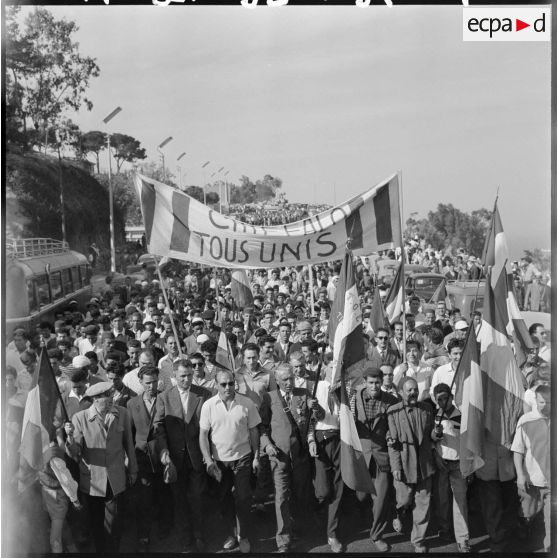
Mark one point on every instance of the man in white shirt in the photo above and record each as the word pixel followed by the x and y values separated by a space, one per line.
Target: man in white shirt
pixel 233 453
pixel 446 373
pixel 165 364
pixel 416 369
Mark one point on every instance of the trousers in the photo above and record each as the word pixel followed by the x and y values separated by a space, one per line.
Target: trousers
pixel 328 483
pixel 535 499
pixel 105 521
pixel 452 498
pixel 416 496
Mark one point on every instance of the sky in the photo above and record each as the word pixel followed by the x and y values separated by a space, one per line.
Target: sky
pixel 332 100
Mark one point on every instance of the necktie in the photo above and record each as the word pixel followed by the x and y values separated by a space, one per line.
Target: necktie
pixel 288 399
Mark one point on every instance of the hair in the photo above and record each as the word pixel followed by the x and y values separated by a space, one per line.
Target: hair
pixel 197 356
pixel 148 370
pixel 78 375
pixel 441 388
pixel 237 323
pixel 45 324
pixel 543 389
pixel 373 373
pixel 223 372
pixel 267 339
pixel 117 368
pixel 209 346
pixel 92 355
pixel 411 344
pixel 281 367
pixel 297 355
pixel 54 353
pixel 533 328
pixel 181 361
pixel 250 347
pixel 453 343
pixel 312 344
pixel 414 298
pixel 113 355
pixel 455 311
pixel 435 334
pixel 134 344
pixel 384 329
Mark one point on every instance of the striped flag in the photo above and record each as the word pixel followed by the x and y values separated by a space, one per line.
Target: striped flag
pixel 224 355
pixel 395 299
pixel 497 258
pixel 240 289
pixel 180 227
pixel 378 316
pixel 38 428
pixel 490 388
pixel 345 335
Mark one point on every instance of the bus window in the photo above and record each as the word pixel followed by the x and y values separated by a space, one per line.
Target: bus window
pixel 83 275
pixel 42 289
pixel 67 281
pixel 33 304
pixel 56 285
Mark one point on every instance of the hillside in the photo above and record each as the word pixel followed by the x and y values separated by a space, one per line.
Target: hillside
pixel 33 202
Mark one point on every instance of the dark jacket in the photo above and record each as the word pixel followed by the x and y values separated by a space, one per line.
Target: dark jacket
pixel 179 433
pixel 143 430
pixel 411 451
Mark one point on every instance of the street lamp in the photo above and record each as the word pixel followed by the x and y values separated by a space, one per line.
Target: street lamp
pixel 159 147
pixel 106 120
pixel 179 169
pixel 220 195
pixel 203 184
pixel 227 193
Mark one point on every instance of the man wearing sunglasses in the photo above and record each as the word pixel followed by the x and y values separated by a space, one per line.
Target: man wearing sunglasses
pixel 383 354
pixel 231 453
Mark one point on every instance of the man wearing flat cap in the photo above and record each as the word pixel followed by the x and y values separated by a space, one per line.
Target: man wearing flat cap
pixel 210 328
pixel 100 439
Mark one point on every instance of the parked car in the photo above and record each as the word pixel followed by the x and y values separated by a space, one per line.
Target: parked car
pixel 386 270
pixel 423 285
pixel 137 268
pixel 468 296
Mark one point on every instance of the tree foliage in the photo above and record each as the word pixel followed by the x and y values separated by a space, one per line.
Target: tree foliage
pixel 259 191
pixel 126 149
pixel 93 142
pixel 46 75
pixel 451 228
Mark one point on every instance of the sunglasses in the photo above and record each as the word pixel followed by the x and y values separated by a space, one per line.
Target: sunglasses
pixel 227 384
pixel 383 338
pixel 197 364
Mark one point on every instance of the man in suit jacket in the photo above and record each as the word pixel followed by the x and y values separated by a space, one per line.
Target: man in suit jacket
pixel 537 297
pixel 410 455
pixel 285 417
pixel 383 353
pixel 284 346
pixel 177 430
pixel 142 410
pixel 369 406
pixel 100 439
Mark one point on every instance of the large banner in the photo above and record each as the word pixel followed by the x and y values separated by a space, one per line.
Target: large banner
pixel 180 227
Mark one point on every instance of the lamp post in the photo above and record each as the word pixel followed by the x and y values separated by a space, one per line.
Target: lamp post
pixel 203 184
pixel 179 169
pixel 227 193
pixel 106 120
pixel 220 189
pixel 159 148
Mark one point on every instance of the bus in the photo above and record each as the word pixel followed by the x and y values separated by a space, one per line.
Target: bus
pixel 42 276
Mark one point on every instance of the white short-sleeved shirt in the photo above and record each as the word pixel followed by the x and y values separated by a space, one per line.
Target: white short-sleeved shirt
pixel 230 436
pixel 443 375
pixel 532 439
pixel 330 420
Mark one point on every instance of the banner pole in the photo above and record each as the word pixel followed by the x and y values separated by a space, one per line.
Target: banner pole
pixel 174 330
pixel 217 297
pixel 311 280
pixel 404 320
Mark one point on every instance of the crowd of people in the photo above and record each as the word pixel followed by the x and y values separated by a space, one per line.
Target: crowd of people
pixel 152 414
pixel 275 214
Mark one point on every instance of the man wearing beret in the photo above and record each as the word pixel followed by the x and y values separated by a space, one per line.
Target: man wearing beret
pixel 100 439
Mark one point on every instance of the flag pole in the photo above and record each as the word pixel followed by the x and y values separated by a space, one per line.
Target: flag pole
pixel 311 280
pixel 173 325
pixel 217 297
pixel 43 348
pixel 404 320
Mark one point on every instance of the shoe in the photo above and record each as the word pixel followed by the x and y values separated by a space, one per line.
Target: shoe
pixel 230 543
pixel 200 544
pixel 464 547
pixel 335 545
pixel 397 526
pixel 244 545
pixel 283 549
pixel 381 545
pixel 420 548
